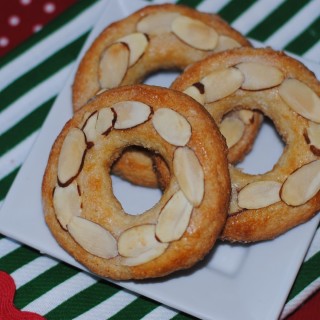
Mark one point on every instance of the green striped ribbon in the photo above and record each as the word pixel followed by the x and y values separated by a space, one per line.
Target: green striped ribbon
pixel 82 301
pixel 303 42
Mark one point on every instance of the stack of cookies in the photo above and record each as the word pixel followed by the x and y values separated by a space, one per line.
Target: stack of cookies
pixel 185 139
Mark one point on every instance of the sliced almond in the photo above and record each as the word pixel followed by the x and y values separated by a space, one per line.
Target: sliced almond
pixel 137 43
pixel 113 65
pixel 145 256
pixel 137 240
pixel 226 43
pixel 139 244
pixel 71 156
pixel 104 120
pixel 221 83
pixel 195 33
pixel 156 23
pixel 89 128
pixel 174 218
pixel 85 117
pixel 259 194
pixel 93 238
pixel 66 203
pixel 246 116
pixel 233 207
pixel 189 173
pixel 232 129
pixel 172 126
pixel 313 132
pixel 301 99
pixel 101 91
pixel 258 76
pixel 302 184
pixel 196 93
pixel 130 114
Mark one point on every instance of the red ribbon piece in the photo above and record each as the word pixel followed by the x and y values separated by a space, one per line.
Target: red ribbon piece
pixel 7 309
pixel 20 19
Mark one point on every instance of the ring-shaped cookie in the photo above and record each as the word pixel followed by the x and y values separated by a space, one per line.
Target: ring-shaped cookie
pixel 154 38
pixel 283 89
pixel 89 222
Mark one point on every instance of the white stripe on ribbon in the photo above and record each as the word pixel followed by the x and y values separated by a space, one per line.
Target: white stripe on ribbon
pixel 212 6
pixel 64 291
pixel 7 246
pixel 293 27
pixel 161 312
pixel 15 157
pixel 294 303
pixel 33 99
pixel 255 14
pixel 32 270
pixel 313 53
pixel 109 307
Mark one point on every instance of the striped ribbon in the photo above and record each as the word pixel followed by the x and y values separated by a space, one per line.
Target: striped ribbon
pixel 42 64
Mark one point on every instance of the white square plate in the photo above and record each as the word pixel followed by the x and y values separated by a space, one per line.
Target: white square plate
pixel 233 282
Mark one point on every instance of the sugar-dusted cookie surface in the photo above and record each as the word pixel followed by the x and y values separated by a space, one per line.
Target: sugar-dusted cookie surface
pixel 154 38
pixel 284 90
pixel 87 219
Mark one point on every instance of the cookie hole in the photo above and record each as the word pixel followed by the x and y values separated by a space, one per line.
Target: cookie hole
pixel 162 78
pixel 134 199
pixel 266 151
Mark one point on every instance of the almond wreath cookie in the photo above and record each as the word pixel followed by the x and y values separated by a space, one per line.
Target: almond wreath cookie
pixel 265 205
pixel 89 222
pixel 156 37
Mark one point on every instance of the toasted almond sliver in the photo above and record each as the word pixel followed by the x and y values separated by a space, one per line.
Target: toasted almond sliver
pixel 259 194
pixel 233 207
pixel 302 184
pixel 301 99
pixel 195 33
pixel 137 240
pixel 85 117
pixel 246 116
pixel 145 256
pixel 137 43
pixel 66 203
pixel 232 129
pixel 193 92
pixel 90 128
pixel 156 23
pixel 171 126
pixel 130 114
pixel 93 238
pixel 140 243
pixel 100 91
pixel 71 155
pixel 189 173
pixel 313 132
pixel 258 76
pixel 104 120
pixel 221 83
pixel 113 65
pixel 226 43
pixel 174 218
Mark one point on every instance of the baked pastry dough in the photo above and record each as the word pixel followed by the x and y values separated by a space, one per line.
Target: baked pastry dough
pixel 89 222
pixel 156 37
pixel 265 205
